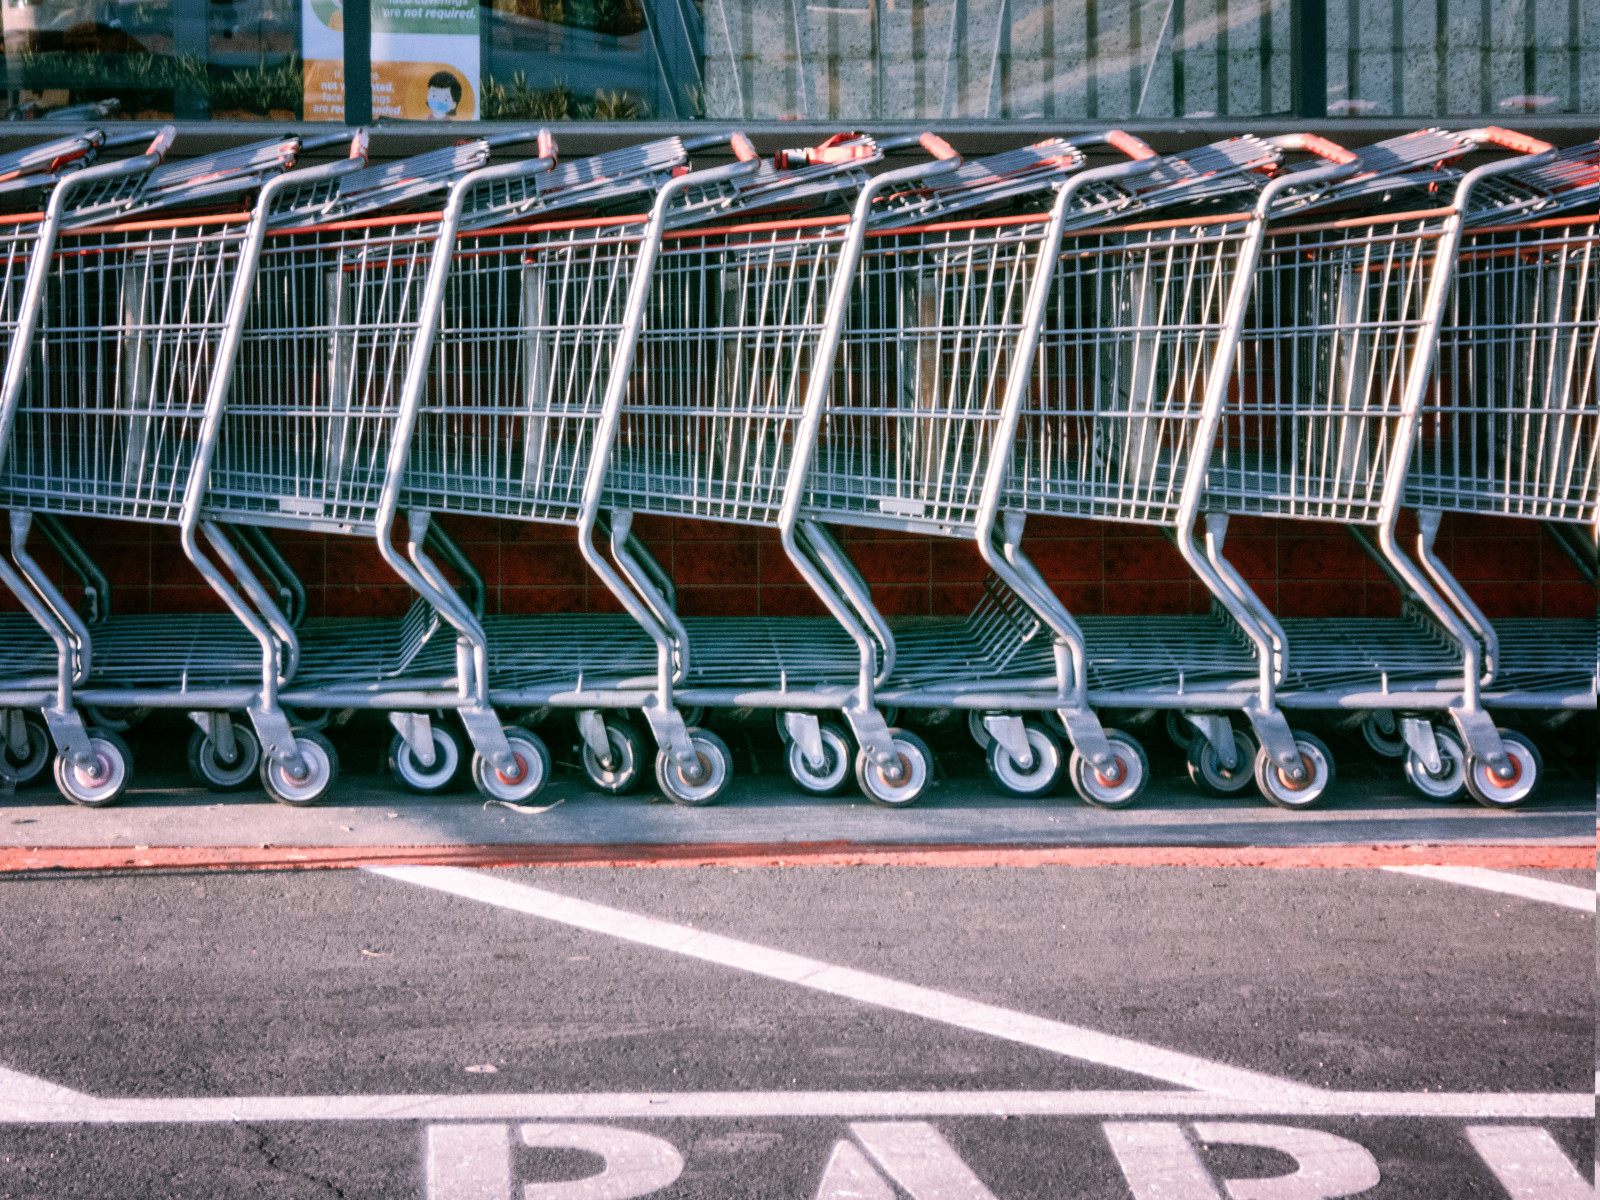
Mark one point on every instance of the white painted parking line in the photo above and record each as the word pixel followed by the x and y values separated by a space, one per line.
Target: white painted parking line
pixel 1057 1037
pixel 1528 1163
pixel 849 1176
pixel 915 1155
pixel 1544 890
pixel 1160 1163
pixel 25 1100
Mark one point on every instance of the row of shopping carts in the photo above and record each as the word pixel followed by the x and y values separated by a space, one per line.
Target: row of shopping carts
pixel 1277 326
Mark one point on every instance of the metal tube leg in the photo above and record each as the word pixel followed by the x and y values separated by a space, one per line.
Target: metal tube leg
pixel 1477 728
pixel 478 717
pixel 1488 640
pixel 65 724
pixel 1017 572
pixel 623 552
pixel 69 621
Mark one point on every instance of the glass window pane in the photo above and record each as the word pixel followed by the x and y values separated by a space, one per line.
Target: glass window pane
pixel 996 59
pixel 1441 58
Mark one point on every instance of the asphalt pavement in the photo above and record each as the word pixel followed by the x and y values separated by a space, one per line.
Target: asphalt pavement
pixel 867 1032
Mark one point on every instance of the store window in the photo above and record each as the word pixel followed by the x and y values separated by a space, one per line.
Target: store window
pixel 153 59
pixel 841 60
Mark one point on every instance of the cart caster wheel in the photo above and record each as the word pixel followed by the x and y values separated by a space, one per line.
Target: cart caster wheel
pixel 1038 780
pixel 979 731
pixel 104 785
pixel 208 770
pixel 1385 744
pixel 1284 792
pixel 1208 774
pixel 1179 732
pixel 1116 788
pixel 410 774
pixel 114 720
pixel 322 771
pixel 31 764
pixel 716 769
pixel 833 775
pixel 525 780
pixel 1527 767
pixel 916 771
pixel 308 718
pixel 627 759
pixel 1451 780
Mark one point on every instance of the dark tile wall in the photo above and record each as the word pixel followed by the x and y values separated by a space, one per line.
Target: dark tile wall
pixel 1511 568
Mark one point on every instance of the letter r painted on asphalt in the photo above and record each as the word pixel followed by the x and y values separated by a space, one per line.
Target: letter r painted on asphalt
pixel 1161 1163
pixel 473 1162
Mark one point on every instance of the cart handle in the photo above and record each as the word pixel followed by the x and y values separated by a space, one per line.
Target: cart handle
pixel 1310 143
pixel 931 142
pixel 160 144
pixel 1133 147
pixel 546 147
pixel 120 138
pixel 840 148
pixel 742 149
pixel 1507 139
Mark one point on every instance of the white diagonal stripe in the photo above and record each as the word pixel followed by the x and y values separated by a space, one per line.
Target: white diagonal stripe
pixel 1544 890
pixel 1057 1037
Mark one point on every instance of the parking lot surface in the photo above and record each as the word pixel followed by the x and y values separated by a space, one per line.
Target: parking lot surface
pixel 870 1032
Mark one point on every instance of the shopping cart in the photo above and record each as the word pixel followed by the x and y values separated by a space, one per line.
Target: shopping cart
pixel 936 389
pixel 1135 349
pixel 306 384
pixel 1332 364
pixel 105 412
pixel 905 428
pixel 27 657
pixel 1512 428
pixel 523 427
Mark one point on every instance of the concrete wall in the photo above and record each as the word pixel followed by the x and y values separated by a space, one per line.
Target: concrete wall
pixel 1118 59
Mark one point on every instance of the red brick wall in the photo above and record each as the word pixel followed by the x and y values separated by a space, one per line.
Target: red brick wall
pixel 1511 568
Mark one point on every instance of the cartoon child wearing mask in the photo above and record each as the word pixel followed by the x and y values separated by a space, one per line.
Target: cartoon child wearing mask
pixel 444 94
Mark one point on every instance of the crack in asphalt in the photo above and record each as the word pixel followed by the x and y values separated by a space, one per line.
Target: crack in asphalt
pixel 271 1159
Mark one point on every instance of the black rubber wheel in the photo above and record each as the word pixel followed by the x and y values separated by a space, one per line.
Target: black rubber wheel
pixel 410 774
pixel 103 786
pixel 208 770
pixel 30 767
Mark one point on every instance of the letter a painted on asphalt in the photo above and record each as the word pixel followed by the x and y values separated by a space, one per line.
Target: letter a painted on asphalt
pixel 1160 1163
pixel 1528 1163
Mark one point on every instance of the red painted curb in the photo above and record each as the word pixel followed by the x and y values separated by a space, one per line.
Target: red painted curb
pixel 810 854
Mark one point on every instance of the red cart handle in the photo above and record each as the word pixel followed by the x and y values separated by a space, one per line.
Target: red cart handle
pixel 742 149
pixel 937 146
pixel 1508 139
pixel 1312 144
pixel 162 143
pixel 1133 147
